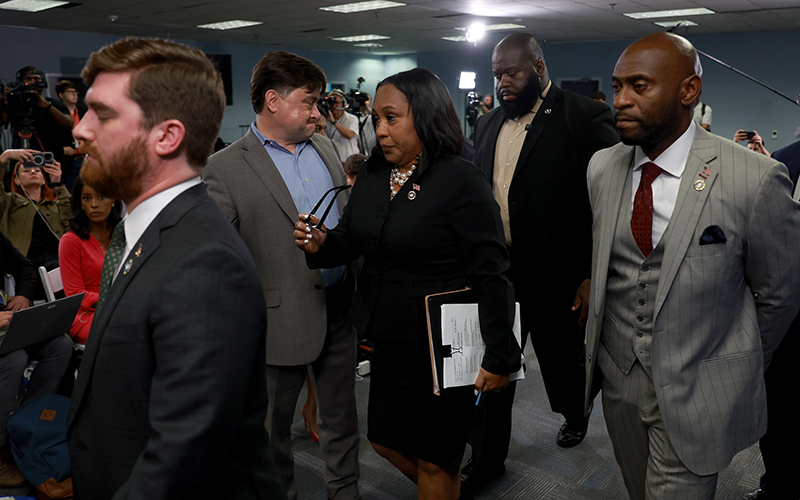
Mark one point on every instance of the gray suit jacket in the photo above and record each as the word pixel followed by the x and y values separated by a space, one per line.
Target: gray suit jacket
pixel 249 189
pixel 721 309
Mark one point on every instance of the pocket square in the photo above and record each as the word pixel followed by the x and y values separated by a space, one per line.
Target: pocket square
pixel 712 235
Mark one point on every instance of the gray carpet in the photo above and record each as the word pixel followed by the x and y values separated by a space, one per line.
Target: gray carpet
pixel 537 468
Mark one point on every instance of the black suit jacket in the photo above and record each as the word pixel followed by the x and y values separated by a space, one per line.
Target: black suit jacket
pixel 171 399
pixel 790 156
pixel 549 212
pixel 441 232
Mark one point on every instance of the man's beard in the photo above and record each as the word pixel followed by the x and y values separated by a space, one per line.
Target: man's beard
pixel 120 176
pixel 524 102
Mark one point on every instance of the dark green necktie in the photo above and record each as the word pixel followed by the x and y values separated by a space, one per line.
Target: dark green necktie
pixel 110 264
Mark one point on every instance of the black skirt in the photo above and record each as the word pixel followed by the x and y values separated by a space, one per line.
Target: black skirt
pixel 404 413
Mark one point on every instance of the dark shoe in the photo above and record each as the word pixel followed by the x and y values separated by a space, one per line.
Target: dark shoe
pixel 759 494
pixel 571 434
pixel 475 477
pixel 9 474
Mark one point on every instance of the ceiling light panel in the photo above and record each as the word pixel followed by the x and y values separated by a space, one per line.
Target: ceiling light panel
pixel 229 25
pixel 31 5
pixel 360 38
pixel 672 24
pixel 349 8
pixel 496 27
pixel 669 13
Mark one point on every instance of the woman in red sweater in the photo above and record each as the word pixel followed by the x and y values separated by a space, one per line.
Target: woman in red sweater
pixel 82 250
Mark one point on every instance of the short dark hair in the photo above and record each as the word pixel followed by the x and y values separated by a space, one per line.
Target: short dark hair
pixel 79 223
pixel 169 81
pixel 599 95
pixel 63 86
pixel 23 72
pixel 353 163
pixel 283 72
pixel 435 119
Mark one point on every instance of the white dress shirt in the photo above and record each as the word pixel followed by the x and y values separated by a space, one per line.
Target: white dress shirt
pixel 137 221
pixel 665 187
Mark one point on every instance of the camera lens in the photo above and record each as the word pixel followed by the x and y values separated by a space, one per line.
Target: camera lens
pixel 38 160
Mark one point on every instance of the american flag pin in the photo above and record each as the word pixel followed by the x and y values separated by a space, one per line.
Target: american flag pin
pixel 138 251
pixel 415 187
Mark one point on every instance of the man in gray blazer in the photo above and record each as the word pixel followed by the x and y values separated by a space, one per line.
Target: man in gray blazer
pixel 694 279
pixel 278 169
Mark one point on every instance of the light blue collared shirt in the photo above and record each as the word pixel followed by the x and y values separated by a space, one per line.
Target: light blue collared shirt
pixel 307 178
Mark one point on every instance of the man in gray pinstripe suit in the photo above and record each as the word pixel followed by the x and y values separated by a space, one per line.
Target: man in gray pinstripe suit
pixel 695 279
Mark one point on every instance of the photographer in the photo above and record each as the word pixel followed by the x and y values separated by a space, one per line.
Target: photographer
pixel 73 157
pixel 31 115
pixel 366 129
pixel 342 128
pixel 34 216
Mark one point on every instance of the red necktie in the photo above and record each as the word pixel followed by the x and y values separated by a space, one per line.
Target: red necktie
pixel 642 218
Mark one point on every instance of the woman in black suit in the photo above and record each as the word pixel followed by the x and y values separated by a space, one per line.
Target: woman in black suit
pixel 436 229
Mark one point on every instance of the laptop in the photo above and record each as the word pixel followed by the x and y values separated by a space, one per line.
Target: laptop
pixel 43 322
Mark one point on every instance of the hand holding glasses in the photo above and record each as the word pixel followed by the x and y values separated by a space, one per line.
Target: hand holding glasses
pixel 305 238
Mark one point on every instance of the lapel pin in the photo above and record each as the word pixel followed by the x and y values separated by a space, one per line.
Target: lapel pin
pixel 138 251
pixel 700 184
pixel 415 187
pixel 548 111
pixel 127 267
pixel 412 195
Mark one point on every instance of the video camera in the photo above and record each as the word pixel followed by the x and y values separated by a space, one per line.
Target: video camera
pixel 19 95
pixel 474 101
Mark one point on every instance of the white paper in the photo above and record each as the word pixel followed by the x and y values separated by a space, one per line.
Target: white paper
pixel 462 332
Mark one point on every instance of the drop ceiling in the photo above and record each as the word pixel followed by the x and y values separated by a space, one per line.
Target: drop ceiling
pixel 417 27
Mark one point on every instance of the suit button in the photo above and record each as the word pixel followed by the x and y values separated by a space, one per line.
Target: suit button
pixel 642 285
pixel 640 334
pixel 317 287
pixel 640 318
pixel 642 302
pixel 645 267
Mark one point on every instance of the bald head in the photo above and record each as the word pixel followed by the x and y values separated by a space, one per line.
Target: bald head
pixel 523 42
pixel 656 84
pixel 672 49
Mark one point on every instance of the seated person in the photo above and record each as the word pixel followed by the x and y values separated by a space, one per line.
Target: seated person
pixel 53 356
pixel 82 250
pixel 34 235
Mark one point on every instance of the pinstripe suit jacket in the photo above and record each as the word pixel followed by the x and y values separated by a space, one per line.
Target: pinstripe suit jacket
pixel 721 309
pixel 249 189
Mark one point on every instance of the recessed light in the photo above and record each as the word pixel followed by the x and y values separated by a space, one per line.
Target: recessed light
pixel 672 24
pixel 368 45
pixel 360 38
pixel 229 25
pixel 349 8
pixel 669 13
pixel 31 5
pixel 495 27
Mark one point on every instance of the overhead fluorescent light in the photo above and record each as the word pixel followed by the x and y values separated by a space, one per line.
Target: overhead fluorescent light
pixel 459 38
pixel 31 5
pixel 370 44
pixel 672 24
pixel 496 27
pixel 349 8
pixel 229 25
pixel 669 13
pixel 360 38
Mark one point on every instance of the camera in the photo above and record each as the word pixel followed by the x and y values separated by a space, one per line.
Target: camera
pixel 325 104
pixel 39 160
pixel 23 95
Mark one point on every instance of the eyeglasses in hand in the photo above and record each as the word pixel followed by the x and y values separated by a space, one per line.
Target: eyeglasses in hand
pixel 335 190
